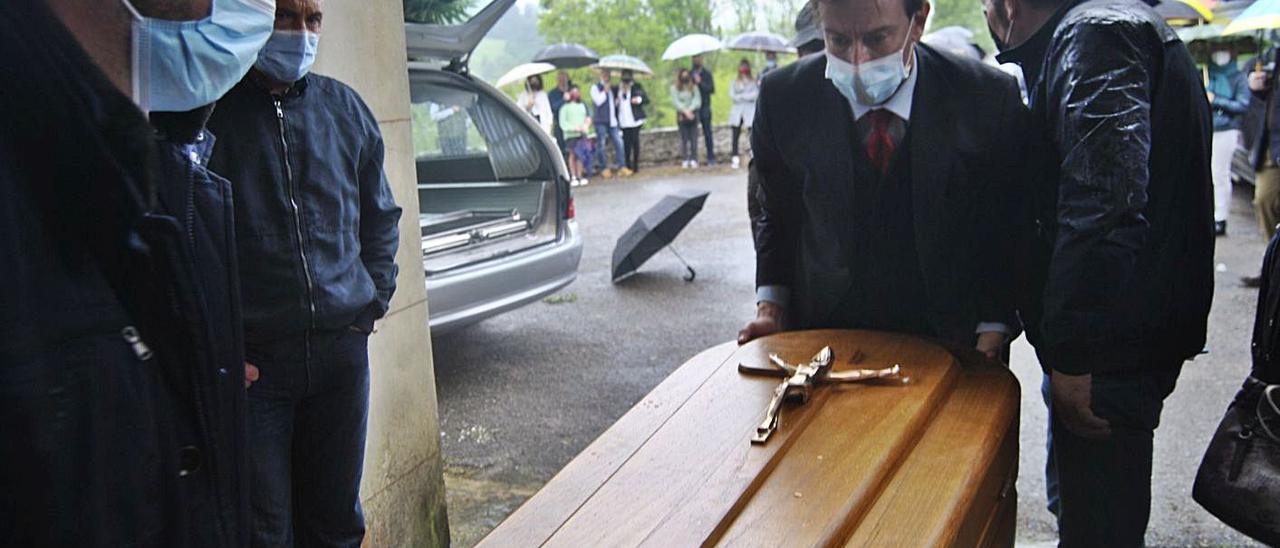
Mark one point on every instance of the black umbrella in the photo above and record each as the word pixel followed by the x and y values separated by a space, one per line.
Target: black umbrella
pixel 566 56
pixel 654 230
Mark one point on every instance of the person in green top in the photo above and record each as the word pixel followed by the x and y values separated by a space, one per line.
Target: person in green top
pixel 576 123
pixel 687 102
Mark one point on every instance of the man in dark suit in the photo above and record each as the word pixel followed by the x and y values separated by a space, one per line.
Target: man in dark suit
pixel 888 189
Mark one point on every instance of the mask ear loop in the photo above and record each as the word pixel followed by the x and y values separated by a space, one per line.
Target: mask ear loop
pixel 139 58
pixel 1266 396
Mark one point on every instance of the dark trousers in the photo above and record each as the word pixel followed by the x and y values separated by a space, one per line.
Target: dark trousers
pixel 737 132
pixel 704 117
pixel 1104 486
pixel 631 144
pixel 308 414
pixel 688 140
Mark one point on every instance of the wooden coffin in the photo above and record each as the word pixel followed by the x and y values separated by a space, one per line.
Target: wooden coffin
pixel 928 463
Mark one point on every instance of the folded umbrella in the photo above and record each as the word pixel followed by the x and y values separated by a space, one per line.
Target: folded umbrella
pixel 654 230
pixel 759 41
pixel 693 44
pixel 566 55
pixel 522 72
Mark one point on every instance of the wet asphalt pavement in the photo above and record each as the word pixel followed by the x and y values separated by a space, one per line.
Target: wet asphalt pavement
pixel 521 394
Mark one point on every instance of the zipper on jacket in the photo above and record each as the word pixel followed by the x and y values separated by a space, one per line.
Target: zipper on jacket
pixel 140 348
pixel 297 214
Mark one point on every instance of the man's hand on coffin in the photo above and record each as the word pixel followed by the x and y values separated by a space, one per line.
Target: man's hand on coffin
pixel 990 344
pixel 768 321
pixel 1073 405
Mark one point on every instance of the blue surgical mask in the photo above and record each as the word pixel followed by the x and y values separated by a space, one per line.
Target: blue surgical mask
pixel 183 65
pixel 288 55
pixel 871 83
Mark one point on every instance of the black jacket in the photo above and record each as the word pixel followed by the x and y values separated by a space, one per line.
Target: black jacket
pixel 965 189
pixel 706 87
pixel 316 221
pixel 1260 132
pixel 1122 260
pixel 1266 330
pixel 637 90
pixel 121 371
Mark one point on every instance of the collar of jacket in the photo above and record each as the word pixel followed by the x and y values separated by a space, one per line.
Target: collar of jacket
pixel 1030 54
pixel 182 127
pixel 258 81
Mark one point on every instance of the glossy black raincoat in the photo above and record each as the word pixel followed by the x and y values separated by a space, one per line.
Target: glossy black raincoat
pixel 1121 264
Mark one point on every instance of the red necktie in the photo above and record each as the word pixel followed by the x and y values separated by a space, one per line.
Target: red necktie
pixel 879 142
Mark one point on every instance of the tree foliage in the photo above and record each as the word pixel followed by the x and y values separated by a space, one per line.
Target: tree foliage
pixel 440 12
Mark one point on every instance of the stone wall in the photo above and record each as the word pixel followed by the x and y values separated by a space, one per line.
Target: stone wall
pixel 403 489
pixel 661 146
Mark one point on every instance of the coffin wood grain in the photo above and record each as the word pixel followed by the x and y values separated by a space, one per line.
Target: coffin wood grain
pixel 883 464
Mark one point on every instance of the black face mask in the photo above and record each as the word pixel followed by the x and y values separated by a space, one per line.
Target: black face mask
pixel 1000 45
pixel 535 86
pixel 684 80
pixel 627 80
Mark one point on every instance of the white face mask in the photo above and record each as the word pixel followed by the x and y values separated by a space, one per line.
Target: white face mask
pixel 1221 58
pixel 871 83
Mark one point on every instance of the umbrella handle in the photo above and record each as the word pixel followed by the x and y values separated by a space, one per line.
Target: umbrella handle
pixel 692 275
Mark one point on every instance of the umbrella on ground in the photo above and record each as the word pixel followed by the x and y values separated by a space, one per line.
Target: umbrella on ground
pixel 654 230
pixel 566 55
pixel 693 44
pixel 759 41
pixel 1191 11
pixel 522 72
pixel 624 62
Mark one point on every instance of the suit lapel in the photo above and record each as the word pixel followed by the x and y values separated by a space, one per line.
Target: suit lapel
pixel 931 154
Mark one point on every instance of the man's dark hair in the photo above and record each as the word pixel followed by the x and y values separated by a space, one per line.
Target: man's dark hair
pixel 912 7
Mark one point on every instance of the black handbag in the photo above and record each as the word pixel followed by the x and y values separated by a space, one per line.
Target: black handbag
pixel 1239 478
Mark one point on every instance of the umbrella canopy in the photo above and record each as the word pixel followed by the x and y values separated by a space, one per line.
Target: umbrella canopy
pixel 693 44
pixel 1262 15
pixel 1185 10
pixel 654 230
pixel 1201 32
pixel 521 72
pixel 624 62
pixel 566 55
pixel 759 41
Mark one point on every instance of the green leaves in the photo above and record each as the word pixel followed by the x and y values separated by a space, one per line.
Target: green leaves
pixel 440 12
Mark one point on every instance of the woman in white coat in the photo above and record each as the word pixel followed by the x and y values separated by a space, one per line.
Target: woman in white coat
pixel 743 92
pixel 534 101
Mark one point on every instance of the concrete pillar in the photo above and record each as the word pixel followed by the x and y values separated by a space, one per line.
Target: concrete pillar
pixel 403 491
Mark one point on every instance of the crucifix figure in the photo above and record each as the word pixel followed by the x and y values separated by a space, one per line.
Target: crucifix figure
pixel 800 381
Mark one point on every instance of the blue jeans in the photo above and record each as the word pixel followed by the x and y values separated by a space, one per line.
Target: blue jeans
pixel 1100 490
pixel 308 415
pixel 604 134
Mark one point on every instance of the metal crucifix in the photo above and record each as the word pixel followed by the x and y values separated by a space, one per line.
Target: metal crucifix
pixel 800 381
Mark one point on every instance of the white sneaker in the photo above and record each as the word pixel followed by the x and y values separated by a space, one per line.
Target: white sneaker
pixel 693 164
pixel 684 164
pixel 575 182
pixel 736 162
pixel 583 182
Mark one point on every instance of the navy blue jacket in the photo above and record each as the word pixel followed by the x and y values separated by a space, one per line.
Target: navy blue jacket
pixel 316 221
pixel 121 370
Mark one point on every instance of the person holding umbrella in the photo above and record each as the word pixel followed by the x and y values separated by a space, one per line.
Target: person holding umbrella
pixel 604 95
pixel 743 92
pixel 631 115
pixel 688 101
pixel 706 84
pixel 534 101
pixel 1228 91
